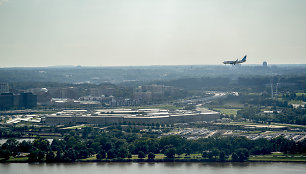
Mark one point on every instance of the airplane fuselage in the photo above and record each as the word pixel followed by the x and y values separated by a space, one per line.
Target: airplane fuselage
pixel 231 62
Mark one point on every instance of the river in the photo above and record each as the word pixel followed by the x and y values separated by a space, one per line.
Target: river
pixel 148 168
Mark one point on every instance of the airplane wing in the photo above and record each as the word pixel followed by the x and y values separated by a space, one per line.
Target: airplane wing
pixel 228 62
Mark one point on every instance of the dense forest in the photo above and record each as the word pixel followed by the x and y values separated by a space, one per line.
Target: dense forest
pixel 97 75
pixel 287 115
pixel 229 83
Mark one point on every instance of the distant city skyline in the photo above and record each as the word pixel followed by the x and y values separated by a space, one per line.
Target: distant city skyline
pixel 36 33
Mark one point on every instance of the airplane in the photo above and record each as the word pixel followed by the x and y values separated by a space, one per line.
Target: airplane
pixel 236 61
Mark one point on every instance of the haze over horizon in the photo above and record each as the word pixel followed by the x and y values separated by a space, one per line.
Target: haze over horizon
pixel 39 33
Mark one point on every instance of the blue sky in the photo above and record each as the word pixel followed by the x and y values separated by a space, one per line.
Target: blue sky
pixel 151 32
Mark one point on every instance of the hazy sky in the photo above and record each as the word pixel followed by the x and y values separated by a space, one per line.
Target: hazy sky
pixel 151 32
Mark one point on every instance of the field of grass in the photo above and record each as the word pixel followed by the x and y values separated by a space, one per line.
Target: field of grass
pixel 17 159
pixel 234 105
pixel 253 132
pixel 75 127
pixel 91 158
pixel 278 156
pixel 300 94
pixel 164 106
pixel 290 125
pixel 227 111
pixel 253 93
pixel 157 157
pixel 300 102
pixel 240 123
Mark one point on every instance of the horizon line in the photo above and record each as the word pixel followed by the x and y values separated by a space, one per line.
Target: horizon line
pixel 92 66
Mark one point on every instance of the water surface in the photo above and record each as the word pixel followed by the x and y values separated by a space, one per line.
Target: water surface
pixel 148 168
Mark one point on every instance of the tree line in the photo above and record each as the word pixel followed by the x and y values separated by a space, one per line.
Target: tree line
pixel 116 145
pixel 286 115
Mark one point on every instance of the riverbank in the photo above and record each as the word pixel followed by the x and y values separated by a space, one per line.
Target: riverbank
pixel 264 158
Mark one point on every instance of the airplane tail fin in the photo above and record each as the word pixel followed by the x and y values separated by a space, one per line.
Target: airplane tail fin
pixel 244 58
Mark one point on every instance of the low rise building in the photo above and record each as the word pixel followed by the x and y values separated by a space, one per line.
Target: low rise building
pixel 104 117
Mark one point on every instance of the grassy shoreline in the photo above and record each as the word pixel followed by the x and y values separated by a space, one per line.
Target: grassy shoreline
pixel 251 159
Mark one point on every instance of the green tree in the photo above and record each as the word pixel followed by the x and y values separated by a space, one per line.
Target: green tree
pixel 151 155
pixel 101 154
pixel 111 154
pixel 50 157
pixel 41 144
pixel 204 154
pixel 170 153
pixel 123 152
pixel 70 155
pixel 11 145
pixel 210 156
pixel 36 155
pixel 243 154
pixel 59 156
pixel 108 146
pixel 141 155
pixel 222 156
pixel 25 146
pixel 4 153
pixel 215 152
pixel 235 157
pixel 140 145
pixel 57 144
